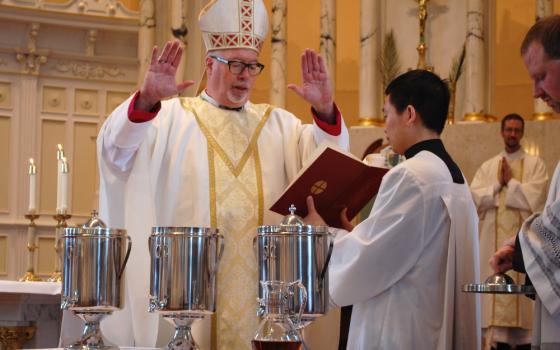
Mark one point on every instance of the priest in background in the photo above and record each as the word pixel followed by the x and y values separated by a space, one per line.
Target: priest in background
pixel 507 189
pixel 403 267
pixel 214 160
pixel 535 250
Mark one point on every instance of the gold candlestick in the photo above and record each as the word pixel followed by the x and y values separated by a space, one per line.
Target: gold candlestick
pixel 422 47
pixel 31 247
pixel 60 218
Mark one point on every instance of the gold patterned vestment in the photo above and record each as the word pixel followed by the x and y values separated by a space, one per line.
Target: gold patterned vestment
pixel 502 210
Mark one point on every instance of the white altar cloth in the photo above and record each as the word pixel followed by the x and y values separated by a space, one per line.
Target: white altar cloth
pixel 37 303
pixel 16 287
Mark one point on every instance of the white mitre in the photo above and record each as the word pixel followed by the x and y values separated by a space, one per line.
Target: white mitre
pixel 234 24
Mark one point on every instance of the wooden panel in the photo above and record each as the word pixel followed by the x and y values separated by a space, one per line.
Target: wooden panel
pixel 54 99
pixel 45 255
pixel 52 133
pixel 3 255
pixel 133 5
pixel 114 98
pixel 5 95
pixel 5 137
pixel 86 102
pixel 84 169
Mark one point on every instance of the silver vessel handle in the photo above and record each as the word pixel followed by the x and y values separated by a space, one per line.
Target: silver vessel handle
pixel 298 324
pixel 327 260
pixel 221 238
pixel 119 274
pixel 255 247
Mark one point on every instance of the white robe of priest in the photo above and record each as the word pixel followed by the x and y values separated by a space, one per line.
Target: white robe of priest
pixel 502 210
pixel 404 266
pixel 540 243
pixel 199 165
pixel 554 188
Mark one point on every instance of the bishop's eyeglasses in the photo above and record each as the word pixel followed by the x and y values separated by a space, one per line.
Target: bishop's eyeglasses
pixel 237 67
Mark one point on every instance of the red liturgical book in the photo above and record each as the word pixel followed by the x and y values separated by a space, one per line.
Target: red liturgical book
pixel 336 180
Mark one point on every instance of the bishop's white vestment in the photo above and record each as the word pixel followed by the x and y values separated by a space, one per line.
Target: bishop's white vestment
pixel 502 210
pixel 404 266
pixel 196 164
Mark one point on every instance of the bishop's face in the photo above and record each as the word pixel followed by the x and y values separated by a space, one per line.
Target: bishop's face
pixel 227 88
pixel 395 126
pixel 545 73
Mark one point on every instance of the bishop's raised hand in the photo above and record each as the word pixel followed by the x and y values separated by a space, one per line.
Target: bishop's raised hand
pixel 316 86
pixel 159 80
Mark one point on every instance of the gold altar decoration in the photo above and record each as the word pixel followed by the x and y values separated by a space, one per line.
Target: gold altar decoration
pixel 422 47
pixel 390 68
pixel 389 62
pixel 479 117
pixel 454 75
pixel 542 116
pixel 31 247
pixel 371 122
pixel 13 337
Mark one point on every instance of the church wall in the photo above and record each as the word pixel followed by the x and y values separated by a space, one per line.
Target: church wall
pixel 470 144
pixel 62 70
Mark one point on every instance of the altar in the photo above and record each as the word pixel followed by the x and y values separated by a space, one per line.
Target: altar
pixel 30 314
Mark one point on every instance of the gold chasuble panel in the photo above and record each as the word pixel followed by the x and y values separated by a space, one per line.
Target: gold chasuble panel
pixel 236 199
pixel 510 310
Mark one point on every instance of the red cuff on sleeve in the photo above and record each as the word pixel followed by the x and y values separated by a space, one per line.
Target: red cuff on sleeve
pixel 331 129
pixel 138 116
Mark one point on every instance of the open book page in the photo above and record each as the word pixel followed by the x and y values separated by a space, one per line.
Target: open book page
pixel 336 179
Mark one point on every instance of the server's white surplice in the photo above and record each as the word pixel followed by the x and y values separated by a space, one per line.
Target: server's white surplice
pixel 403 267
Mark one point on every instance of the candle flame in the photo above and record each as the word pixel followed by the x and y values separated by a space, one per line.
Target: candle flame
pixel 59 151
pixel 32 167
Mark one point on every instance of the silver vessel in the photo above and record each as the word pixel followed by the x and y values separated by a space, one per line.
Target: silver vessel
pixel 294 251
pixel 183 266
pixel 94 258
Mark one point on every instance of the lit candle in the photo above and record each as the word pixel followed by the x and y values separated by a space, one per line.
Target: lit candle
pixel 64 186
pixel 32 186
pixel 59 156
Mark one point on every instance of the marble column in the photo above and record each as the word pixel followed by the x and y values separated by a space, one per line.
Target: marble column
pixel 475 88
pixel 179 20
pixel 370 75
pixel 179 31
pixel 278 48
pixel 328 37
pixel 195 52
pixel 544 8
pixel 146 36
pixel 541 110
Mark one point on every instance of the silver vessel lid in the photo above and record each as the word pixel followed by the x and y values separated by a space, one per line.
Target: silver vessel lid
pixel 499 283
pixel 94 221
pixel 292 224
pixel 93 227
pixel 184 230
